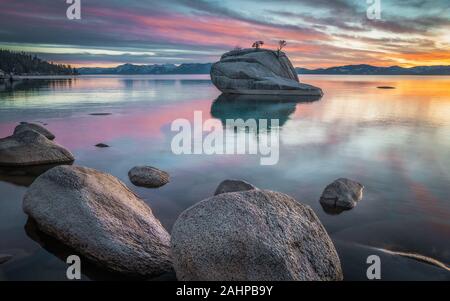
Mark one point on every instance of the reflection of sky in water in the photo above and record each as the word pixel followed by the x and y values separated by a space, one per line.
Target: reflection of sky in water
pixel 395 142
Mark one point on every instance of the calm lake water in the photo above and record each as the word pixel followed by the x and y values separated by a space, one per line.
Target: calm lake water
pixel 394 141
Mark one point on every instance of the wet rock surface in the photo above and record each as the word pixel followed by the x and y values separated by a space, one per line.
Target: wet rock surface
pixel 25 126
pixel 101 145
pixel 233 186
pixel 342 194
pixel 148 176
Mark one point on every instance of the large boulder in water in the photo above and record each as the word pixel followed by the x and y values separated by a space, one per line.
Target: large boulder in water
pixel 31 148
pixel 258 71
pixel 254 235
pixel 98 216
pixel 25 126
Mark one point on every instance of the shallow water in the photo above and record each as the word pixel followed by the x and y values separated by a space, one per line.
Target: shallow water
pixel 394 141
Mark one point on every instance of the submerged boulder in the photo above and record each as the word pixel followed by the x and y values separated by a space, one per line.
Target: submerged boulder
pixel 4 258
pixel 258 71
pixel 25 126
pixel 101 145
pixel 254 235
pixel 148 176
pixel 98 216
pixel 31 148
pixel 233 186
pixel 342 194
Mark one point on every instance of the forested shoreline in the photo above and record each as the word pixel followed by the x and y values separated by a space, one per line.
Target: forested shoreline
pixel 22 63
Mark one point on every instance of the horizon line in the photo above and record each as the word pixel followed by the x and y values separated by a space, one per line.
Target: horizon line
pixel 333 66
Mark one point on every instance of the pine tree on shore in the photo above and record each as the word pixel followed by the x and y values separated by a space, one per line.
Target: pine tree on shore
pixel 22 63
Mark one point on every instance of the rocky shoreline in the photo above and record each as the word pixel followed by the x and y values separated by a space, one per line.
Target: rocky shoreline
pixel 103 220
pixel 241 232
pixel 225 237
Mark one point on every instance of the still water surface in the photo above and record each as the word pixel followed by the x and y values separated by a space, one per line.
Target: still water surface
pixel 394 141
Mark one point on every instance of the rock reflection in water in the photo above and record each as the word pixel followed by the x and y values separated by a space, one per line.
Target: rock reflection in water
pixel 30 85
pixel 88 268
pixel 23 175
pixel 234 106
pixel 332 210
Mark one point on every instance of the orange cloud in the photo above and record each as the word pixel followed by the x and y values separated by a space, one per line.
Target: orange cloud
pixel 422 58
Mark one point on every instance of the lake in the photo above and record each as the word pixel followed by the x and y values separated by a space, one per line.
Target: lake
pixel 393 141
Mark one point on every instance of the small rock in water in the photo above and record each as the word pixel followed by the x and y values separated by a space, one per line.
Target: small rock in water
pixel 385 87
pixel 25 126
pixel 31 148
pixel 148 176
pixel 233 186
pixel 98 216
pixel 100 114
pixel 342 194
pixel 101 145
pixel 4 258
pixel 254 235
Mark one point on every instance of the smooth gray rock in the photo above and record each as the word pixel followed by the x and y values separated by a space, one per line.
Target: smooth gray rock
pixel 342 194
pixel 254 235
pixel 31 148
pixel 25 126
pixel 233 186
pixel 258 71
pixel 98 216
pixel 148 176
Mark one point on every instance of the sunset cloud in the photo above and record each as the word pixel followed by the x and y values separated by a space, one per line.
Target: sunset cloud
pixel 319 33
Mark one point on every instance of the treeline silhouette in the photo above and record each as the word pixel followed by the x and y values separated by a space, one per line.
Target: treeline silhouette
pixel 21 63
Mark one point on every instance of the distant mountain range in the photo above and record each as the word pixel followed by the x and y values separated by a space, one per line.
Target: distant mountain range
pixel 373 70
pixel 204 69
pixel 149 69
